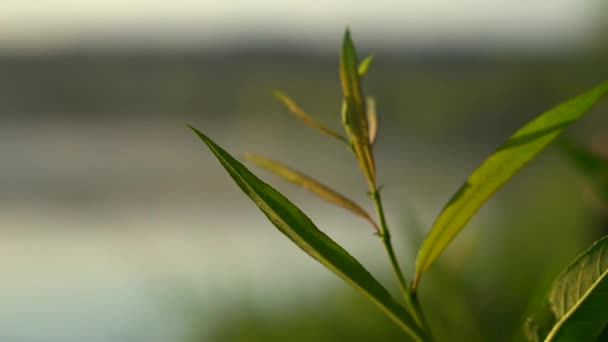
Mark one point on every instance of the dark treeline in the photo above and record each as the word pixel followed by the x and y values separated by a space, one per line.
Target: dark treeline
pixel 441 84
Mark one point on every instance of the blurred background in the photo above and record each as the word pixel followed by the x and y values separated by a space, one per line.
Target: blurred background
pixel 118 225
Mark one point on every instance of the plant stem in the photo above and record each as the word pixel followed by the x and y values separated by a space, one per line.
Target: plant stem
pixel 411 299
pixel 414 304
pixel 385 235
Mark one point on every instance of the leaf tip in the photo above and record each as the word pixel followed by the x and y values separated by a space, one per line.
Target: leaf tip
pixel 277 93
pixel 349 56
pixel 251 157
pixel 347 33
pixel 196 131
pixel 364 65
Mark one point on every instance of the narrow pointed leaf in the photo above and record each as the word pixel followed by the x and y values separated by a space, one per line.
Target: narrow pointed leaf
pixel 312 185
pixel 372 119
pixel 364 65
pixel 577 302
pixel 526 143
pixel 292 222
pixel 302 115
pixel 354 116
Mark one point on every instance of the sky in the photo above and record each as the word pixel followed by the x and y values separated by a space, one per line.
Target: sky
pixel 43 24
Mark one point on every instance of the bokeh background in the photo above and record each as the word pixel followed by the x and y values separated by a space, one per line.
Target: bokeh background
pixel 117 225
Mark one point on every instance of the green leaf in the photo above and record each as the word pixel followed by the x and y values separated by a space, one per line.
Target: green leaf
pixel 577 303
pixel 495 171
pixel 354 111
pixel 311 184
pixel 302 115
pixel 292 222
pixel 364 65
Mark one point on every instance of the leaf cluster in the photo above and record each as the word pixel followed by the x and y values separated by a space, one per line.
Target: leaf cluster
pixel 576 308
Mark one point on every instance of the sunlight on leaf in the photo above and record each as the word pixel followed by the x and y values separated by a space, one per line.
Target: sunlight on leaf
pixel 311 184
pixel 372 119
pixel 495 171
pixel 292 222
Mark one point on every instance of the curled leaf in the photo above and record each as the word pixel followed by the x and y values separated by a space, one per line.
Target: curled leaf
pixel 302 115
pixel 312 185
